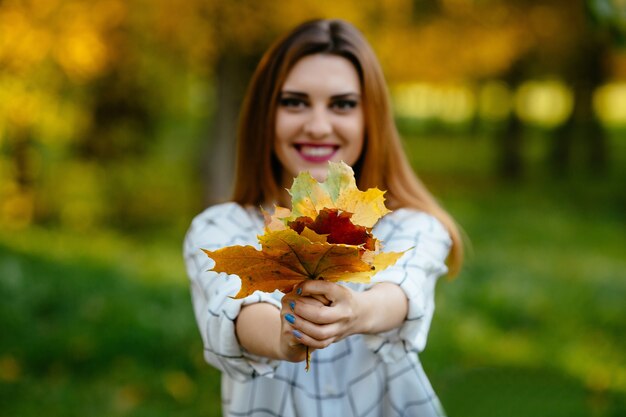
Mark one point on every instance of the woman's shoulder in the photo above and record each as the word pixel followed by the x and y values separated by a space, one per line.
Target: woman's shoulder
pixel 225 224
pixel 229 213
pixel 411 220
pixel 221 209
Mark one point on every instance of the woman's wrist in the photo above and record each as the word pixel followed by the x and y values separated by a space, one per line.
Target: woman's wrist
pixel 364 313
pixel 383 307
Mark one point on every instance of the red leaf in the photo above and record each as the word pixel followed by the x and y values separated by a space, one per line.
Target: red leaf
pixel 337 226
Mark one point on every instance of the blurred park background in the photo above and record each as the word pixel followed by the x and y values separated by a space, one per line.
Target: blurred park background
pixel 117 121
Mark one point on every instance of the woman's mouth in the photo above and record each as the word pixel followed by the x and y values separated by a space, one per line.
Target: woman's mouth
pixel 316 153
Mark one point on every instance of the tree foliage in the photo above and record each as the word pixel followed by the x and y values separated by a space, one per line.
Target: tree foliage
pixel 127 88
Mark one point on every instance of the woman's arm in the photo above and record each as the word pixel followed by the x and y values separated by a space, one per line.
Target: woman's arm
pixel 215 310
pixel 384 307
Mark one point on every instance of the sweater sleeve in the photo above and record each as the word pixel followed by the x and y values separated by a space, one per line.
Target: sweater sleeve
pixel 427 244
pixel 217 227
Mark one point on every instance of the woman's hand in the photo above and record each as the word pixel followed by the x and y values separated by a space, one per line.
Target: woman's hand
pixel 319 313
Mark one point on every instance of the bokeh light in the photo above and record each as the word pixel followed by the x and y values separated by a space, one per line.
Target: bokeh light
pixel 609 102
pixel 546 104
pixel 448 103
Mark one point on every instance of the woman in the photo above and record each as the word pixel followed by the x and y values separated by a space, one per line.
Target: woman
pixel 319 95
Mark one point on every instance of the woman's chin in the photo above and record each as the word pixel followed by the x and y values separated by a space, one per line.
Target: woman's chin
pixel 319 173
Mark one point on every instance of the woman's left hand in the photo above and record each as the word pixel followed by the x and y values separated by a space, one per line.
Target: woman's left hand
pixel 320 325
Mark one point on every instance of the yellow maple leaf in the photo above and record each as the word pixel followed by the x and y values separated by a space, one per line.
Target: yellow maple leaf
pixel 308 197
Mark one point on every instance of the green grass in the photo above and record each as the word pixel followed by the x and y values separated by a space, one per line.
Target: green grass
pixel 534 325
pixel 102 325
pixel 80 338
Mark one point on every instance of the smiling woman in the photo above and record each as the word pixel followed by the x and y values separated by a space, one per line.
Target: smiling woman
pixel 319 96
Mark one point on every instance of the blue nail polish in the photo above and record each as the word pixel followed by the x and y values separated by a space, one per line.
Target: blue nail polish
pixel 292 305
pixel 297 334
pixel 291 319
pixel 299 291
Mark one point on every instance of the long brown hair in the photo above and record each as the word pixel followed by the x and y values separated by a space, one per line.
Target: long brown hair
pixel 383 163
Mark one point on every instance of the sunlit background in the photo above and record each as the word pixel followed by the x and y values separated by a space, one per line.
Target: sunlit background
pixel 117 121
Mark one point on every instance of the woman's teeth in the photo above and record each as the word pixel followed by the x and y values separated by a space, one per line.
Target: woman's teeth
pixel 317 151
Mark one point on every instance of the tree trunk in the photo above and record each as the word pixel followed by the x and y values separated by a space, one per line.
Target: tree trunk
pixel 584 72
pixel 510 164
pixel 510 141
pixel 23 169
pixel 593 135
pixel 560 153
pixel 232 74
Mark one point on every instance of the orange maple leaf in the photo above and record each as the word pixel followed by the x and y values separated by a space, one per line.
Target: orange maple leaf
pixel 286 259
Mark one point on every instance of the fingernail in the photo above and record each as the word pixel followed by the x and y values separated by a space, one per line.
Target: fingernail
pixel 291 319
pixel 299 291
pixel 292 305
pixel 297 334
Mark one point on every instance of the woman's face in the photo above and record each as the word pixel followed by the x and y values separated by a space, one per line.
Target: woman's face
pixel 319 116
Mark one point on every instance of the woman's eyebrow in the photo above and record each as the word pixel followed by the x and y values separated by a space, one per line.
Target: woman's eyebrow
pixel 346 95
pixel 294 93
pixel 333 97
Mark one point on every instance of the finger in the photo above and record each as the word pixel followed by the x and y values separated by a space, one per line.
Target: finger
pixel 295 350
pixel 329 290
pixel 288 304
pixel 322 299
pixel 312 343
pixel 289 334
pixel 314 331
pixel 315 312
pixel 309 301
pixel 293 341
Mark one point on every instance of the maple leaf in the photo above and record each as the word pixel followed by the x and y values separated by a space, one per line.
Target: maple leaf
pixel 337 227
pixel 286 259
pixel 308 197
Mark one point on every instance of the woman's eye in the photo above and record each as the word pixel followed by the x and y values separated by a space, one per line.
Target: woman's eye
pixel 292 103
pixel 344 104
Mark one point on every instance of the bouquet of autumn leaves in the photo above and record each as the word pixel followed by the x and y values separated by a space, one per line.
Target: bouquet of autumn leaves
pixel 326 235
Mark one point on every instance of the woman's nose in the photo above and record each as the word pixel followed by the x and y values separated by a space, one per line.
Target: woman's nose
pixel 319 125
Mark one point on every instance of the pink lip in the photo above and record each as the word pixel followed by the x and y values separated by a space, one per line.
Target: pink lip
pixel 316 158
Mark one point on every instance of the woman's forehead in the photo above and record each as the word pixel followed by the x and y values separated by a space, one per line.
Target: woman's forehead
pixel 323 71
